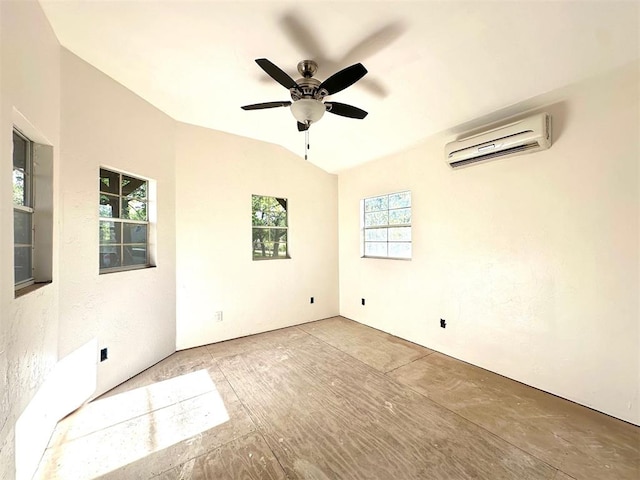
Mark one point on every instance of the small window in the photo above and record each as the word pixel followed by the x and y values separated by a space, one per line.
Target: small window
pixel 124 222
pixel 269 223
pixel 23 211
pixel 386 226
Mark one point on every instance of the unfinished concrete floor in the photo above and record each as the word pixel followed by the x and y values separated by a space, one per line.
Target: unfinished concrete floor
pixel 334 399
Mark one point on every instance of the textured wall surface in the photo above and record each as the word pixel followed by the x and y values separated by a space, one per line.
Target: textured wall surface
pixel 532 260
pixel 29 92
pixel 131 313
pixel 217 174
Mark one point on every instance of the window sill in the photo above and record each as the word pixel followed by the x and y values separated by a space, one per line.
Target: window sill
pixel 31 288
pixel 261 259
pixel 125 269
pixel 387 258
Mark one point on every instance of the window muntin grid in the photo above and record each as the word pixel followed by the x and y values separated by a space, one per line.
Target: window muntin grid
pixel 124 222
pixel 386 226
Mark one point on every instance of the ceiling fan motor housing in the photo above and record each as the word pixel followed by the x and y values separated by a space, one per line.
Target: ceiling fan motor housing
pixel 307 68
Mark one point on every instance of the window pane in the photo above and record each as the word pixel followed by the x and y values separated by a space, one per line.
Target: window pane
pixel 108 206
pixel 20 179
pixel 109 256
pixel 401 216
pixel 278 235
pixel 260 234
pixel 376 203
pixel 20 149
pixel 400 200
pixel 375 219
pixel 135 255
pixel 22 227
pixel 271 250
pixel 275 219
pixel 400 250
pixel 375 249
pixel 134 233
pixel 134 187
pixel 281 251
pixel 109 182
pixel 375 235
pixel 110 232
pixel 22 264
pixel 265 249
pixel 400 234
pixel 269 211
pixel 260 239
pixel 133 209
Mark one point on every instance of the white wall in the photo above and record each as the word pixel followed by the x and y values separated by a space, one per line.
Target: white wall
pixel 29 83
pixel 532 260
pixel 216 175
pixel 131 313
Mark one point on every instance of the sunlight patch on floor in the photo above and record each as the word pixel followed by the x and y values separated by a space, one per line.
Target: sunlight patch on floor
pixel 108 434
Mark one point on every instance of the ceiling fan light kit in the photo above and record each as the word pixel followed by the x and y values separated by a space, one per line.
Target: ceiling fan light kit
pixel 308 110
pixel 308 94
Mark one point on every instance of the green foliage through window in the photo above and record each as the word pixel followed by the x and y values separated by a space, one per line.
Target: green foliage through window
pixel 269 227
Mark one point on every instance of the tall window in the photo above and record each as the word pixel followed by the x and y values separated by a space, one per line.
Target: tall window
pixel 23 210
pixel 386 226
pixel 124 222
pixel 269 223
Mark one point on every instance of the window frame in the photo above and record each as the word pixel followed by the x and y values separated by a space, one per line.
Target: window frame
pixel 120 222
pixel 28 208
pixel 269 228
pixel 387 226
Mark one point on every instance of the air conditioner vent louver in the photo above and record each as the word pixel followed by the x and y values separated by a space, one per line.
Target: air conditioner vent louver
pixel 491 155
pixel 523 136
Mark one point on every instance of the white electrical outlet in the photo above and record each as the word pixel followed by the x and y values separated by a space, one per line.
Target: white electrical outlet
pixel 217 317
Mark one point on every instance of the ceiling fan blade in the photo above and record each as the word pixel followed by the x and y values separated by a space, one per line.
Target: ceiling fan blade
pixel 345 110
pixel 302 37
pixel 302 127
pixel 276 73
pixel 374 42
pixel 344 78
pixel 260 106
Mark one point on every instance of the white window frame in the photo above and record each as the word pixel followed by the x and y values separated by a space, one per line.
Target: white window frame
pixel 28 208
pixel 269 228
pixel 387 226
pixel 120 222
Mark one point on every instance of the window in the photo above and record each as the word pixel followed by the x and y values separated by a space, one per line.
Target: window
pixel 386 226
pixel 23 211
pixel 124 224
pixel 269 223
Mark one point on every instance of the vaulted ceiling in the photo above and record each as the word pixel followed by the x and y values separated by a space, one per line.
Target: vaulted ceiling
pixel 432 65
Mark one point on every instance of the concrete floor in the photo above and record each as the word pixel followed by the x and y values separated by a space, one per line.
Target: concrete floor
pixel 334 399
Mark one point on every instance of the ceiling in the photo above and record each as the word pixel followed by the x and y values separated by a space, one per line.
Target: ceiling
pixel 432 65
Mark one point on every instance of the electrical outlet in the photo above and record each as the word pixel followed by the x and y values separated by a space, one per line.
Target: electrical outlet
pixel 217 317
pixel 312 300
pixel 103 355
pixel 363 301
pixel 443 323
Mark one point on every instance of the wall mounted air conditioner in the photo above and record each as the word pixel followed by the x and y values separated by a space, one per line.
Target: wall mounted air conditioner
pixel 523 136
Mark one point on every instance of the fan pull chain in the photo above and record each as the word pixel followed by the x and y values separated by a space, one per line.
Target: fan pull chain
pixel 306 143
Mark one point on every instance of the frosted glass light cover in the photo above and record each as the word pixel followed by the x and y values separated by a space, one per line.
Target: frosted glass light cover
pixel 307 109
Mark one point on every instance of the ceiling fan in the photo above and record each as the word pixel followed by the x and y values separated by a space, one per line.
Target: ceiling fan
pixel 308 94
